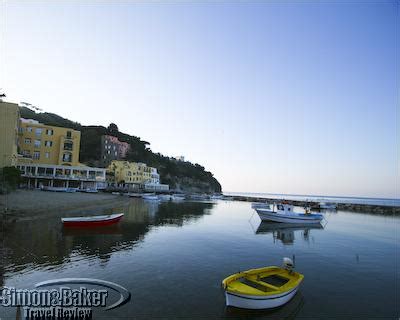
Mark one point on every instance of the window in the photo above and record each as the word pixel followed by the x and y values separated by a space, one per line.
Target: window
pixel 68 145
pixel 47 155
pixel 38 131
pixel 26 153
pixel 67 157
pixel 29 129
pixel 48 143
pixel 36 155
pixel 69 134
pixel 37 143
pixel 49 132
pixel 28 140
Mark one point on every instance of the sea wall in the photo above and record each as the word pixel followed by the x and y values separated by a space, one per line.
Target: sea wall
pixel 366 208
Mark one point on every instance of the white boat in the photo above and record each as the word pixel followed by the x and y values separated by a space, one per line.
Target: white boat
pixel 177 197
pixel 262 288
pixel 327 205
pixel 150 197
pixel 134 195
pixel 216 197
pixel 90 190
pixel 165 197
pixel 284 213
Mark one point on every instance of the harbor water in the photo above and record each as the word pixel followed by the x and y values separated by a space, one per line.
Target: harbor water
pixel 172 258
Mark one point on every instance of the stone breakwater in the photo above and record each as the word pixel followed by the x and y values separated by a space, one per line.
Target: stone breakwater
pixel 365 208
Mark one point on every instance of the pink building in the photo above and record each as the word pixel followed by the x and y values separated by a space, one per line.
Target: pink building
pixel 112 149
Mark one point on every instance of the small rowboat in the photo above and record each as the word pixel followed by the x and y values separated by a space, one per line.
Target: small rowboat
pixel 262 288
pixel 92 221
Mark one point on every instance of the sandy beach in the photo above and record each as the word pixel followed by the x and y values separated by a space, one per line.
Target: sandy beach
pixel 26 202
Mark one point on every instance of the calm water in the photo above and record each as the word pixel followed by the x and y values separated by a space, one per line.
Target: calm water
pixel 173 256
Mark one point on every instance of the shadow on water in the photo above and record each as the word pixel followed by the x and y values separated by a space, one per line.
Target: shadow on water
pixel 45 244
pixel 286 232
pixel 287 311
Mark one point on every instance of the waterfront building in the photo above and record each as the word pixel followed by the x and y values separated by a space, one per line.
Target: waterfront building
pixel 112 149
pixel 44 144
pixel 48 175
pixel 9 119
pixel 134 176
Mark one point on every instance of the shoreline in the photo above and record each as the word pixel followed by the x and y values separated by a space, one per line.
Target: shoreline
pixel 30 203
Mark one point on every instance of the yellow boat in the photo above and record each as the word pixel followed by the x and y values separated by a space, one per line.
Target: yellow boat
pixel 262 288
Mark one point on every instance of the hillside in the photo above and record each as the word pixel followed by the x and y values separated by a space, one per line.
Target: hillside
pixel 184 176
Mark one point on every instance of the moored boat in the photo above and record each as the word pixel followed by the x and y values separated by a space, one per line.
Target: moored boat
pixel 90 190
pixel 92 221
pixel 262 288
pixel 327 205
pixel 177 197
pixel 165 197
pixel 150 197
pixel 134 195
pixel 284 213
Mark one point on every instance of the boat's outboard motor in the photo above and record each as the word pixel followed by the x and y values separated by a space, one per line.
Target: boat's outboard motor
pixel 288 264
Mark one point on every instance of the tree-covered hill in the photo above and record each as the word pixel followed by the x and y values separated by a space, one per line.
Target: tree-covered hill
pixel 182 175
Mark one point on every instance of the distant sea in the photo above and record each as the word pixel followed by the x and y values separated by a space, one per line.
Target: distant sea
pixel 299 197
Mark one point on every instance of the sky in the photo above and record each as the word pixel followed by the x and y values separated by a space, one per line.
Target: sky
pixel 278 97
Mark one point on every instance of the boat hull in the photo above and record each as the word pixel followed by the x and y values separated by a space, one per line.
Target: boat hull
pixel 94 222
pixel 257 302
pixel 268 215
pixel 151 198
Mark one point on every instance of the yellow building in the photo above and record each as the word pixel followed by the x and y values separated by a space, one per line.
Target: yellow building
pixel 125 172
pixel 9 119
pixel 44 144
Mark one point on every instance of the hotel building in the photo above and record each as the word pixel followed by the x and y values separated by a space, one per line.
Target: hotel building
pixel 46 155
pixel 134 176
pixel 50 158
pixel 9 120
pixel 45 144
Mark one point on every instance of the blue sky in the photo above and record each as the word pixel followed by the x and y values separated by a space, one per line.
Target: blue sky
pixel 280 97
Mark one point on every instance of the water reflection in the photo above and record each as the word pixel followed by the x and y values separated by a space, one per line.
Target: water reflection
pixel 35 243
pixel 287 311
pixel 285 232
